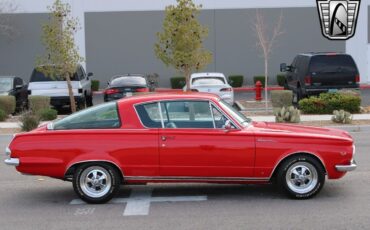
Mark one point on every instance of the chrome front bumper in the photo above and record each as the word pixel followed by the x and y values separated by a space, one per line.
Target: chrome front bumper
pixel 12 161
pixel 347 168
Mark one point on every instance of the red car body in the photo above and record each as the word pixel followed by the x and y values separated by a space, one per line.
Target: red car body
pixel 248 154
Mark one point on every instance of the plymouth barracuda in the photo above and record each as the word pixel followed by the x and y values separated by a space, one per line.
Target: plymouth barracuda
pixel 183 137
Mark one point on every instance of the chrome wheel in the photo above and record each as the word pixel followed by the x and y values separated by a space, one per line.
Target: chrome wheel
pixel 301 177
pixel 95 181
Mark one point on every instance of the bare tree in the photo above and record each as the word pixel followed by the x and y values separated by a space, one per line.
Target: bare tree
pixel 7 28
pixel 265 41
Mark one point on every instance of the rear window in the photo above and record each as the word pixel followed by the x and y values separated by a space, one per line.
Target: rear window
pixel 208 81
pixel 38 76
pixel 332 63
pixel 128 81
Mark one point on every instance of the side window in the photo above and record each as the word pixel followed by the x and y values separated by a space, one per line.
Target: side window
pixel 80 73
pixel 220 119
pixel 187 114
pixel 149 115
pixel 104 116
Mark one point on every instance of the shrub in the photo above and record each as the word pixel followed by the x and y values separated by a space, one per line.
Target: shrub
pixel 341 116
pixel 37 103
pixel 178 82
pixel 326 103
pixel 7 104
pixel 3 115
pixel 280 79
pixel 259 78
pixel 281 98
pixel 95 85
pixel 47 114
pixel 236 80
pixel 288 115
pixel 29 121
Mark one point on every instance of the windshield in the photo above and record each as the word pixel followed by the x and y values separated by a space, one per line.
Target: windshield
pixel 208 81
pixel 126 81
pixel 332 63
pixel 241 118
pixel 38 76
pixel 6 84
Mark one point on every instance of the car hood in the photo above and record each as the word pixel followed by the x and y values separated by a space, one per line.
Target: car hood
pixel 302 130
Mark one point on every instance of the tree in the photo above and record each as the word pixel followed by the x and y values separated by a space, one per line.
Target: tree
pixel 62 56
pixel 180 44
pixel 6 27
pixel 266 42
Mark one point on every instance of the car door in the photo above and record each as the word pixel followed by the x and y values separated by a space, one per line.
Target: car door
pixel 195 143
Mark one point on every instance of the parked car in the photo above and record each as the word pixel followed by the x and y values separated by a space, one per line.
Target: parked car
pixel 121 86
pixel 56 87
pixel 14 86
pixel 212 83
pixel 315 73
pixel 144 139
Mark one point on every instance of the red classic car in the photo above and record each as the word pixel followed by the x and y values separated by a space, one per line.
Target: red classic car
pixel 185 137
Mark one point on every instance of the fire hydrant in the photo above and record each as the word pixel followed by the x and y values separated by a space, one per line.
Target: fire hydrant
pixel 258 91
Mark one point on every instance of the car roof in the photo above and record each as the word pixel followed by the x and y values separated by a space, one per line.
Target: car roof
pixel 168 96
pixel 206 74
pixel 310 54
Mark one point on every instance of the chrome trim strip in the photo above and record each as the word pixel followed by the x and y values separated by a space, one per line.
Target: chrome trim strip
pixel 183 178
pixel 12 161
pixel 346 168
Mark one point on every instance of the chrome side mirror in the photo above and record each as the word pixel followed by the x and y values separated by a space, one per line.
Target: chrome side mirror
pixel 50 126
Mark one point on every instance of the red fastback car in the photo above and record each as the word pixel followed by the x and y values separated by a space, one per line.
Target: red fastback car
pixel 186 137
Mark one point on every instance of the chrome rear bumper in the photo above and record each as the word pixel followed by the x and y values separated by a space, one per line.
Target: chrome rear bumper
pixel 347 168
pixel 12 161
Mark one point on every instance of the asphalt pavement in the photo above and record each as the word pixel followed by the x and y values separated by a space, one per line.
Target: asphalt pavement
pixel 33 202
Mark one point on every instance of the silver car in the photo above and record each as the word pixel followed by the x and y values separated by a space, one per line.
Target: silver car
pixel 215 83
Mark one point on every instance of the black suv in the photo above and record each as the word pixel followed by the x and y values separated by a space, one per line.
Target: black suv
pixel 315 73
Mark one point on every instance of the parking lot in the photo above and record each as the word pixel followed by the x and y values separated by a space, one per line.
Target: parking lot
pixel 31 202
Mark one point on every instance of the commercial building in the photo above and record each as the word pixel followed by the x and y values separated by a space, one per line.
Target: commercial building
pixel 117 36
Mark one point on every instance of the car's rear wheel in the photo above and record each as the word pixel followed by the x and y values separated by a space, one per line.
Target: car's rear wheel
pixel 89 100
pixel 301 177
pixel 82 103
pixel 96 182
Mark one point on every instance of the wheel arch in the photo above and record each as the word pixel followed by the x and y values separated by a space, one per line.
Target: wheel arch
pixel 68 174
pixel 300 153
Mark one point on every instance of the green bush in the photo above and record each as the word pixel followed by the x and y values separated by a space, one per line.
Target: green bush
pixel 47 114
pixel 326 103
pixel 178 82
pixel 95 85
pixel 7 104
pixel 37 103
pixel 259 78
pixel 3 115
pixel 280 79
pixel 281 98
pixel 29 121
pixel 236 80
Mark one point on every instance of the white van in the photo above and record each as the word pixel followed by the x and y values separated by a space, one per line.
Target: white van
pixel 57 89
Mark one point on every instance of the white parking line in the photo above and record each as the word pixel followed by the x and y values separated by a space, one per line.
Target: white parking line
pixel 138 204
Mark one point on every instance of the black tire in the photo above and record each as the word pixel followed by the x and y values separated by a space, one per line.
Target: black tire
pixel 306 182
pixel 297 96
pixel 82 103
pixel 89 100
pixel 86 190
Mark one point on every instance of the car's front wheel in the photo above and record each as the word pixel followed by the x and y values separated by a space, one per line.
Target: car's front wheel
pixel 301 177
pixel 96 183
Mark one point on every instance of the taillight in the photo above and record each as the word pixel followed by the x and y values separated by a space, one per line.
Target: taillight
pixel 357 78
pixel 194 90
pixel 226 90
pixel 308 80
pixel 141 90
pixel 111 91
